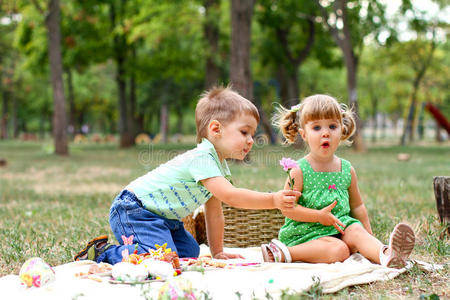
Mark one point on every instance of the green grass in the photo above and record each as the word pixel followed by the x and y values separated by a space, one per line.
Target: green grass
pixel 50 206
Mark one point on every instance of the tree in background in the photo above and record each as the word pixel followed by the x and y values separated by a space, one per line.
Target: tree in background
pixel 291 32
pixel 420 52
pixel 348 26
pixel 240 69
pixel 52 22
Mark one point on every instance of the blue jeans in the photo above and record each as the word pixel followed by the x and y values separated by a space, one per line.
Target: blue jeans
pixel 128 217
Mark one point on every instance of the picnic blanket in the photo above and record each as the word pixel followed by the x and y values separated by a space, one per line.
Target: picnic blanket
pixel 250 282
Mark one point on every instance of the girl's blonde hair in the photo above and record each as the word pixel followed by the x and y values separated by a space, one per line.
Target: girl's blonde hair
pixel 315 107
pixel 222 104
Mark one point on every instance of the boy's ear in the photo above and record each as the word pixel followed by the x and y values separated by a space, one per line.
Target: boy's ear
pixel 215 127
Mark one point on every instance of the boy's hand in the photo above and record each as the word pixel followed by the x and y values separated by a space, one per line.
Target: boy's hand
pixel 285 199
pixel 223 255
pixel 328 219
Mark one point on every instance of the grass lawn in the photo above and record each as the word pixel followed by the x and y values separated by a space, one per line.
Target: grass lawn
pixel 51 206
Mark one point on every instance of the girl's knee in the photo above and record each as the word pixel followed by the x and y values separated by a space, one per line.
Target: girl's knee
pixel 339 251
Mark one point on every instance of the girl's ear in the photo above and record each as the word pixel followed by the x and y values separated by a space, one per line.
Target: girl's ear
pixel 215 128
pixel 302 134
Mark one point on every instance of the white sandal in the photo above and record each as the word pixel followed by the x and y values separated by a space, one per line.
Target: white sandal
pixel 276 248
pixel 401 244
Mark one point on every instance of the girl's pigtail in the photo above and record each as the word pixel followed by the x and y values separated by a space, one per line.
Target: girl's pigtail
pixel 348 122
pixel 286 120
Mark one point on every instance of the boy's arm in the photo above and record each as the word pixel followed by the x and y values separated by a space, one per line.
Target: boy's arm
pixel 243 198
pixel 304 214
pixel 215 228
pixel 357 207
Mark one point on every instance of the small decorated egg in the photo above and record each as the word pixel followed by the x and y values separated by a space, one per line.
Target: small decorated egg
pixel 158 268
pixel 125 271
pixel 36 272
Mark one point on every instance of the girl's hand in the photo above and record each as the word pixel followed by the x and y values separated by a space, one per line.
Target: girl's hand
pixel 285 199
pixel 328 219
pixel 223 255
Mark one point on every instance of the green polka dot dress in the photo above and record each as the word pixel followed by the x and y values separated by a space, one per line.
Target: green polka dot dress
pixel 320 189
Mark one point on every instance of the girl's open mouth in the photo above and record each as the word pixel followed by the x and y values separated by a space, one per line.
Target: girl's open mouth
pixel 325 145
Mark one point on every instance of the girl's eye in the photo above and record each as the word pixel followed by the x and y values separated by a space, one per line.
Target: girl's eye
pixel 316 128
pixel 333 126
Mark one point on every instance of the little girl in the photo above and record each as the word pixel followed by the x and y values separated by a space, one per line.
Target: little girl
pixel 331 221
pixel 151 207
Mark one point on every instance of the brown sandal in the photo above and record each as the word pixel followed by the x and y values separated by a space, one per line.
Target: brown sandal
pixel 94 242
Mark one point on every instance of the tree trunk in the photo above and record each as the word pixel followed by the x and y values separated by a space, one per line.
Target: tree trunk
pixel 132 117
pixel 211 33
pixel 343 39
pixel 240 72
pixel 71 98
pixel 164 115
pixel 408 131
pixel 4 118
pixel 15 123
pixel 179 121
pixel 54 53
pixel 351 66
pixel 119 45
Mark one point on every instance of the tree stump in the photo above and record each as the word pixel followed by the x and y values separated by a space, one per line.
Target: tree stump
pixel 3 162
pixel 441 192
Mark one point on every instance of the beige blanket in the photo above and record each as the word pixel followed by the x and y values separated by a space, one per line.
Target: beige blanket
pixel 249 281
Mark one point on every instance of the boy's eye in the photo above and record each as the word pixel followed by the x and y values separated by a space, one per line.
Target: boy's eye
pixel 244 132
pixel 316 128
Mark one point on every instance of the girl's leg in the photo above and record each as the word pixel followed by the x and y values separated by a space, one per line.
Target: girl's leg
pixel 359 240
pixel 323 250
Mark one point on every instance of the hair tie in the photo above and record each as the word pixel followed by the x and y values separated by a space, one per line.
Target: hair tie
pixel 295 108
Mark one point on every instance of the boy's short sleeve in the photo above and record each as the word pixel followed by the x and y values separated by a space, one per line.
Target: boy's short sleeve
pixel 204 166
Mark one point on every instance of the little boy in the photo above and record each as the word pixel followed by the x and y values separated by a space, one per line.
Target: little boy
pixel 151 207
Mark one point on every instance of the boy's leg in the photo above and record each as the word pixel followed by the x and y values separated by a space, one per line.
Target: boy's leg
pixel 359 240
pixel 186 245
pixel 322 250
pixel 128 217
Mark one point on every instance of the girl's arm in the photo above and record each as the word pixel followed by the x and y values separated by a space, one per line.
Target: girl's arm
pixel 357 207
pixel 214 229
pixel 243 198
pixel 304 214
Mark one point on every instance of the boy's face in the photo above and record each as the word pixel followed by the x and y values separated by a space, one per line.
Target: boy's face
pixel 235 139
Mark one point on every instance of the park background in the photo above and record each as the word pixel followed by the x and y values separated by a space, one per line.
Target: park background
pixel 110 87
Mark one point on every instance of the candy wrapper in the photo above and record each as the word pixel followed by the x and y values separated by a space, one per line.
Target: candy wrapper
pixel 36 272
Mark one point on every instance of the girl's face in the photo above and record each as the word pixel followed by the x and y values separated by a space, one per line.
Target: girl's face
pixel 323 136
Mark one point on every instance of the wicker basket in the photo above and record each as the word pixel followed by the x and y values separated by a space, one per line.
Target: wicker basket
pixel 243 227
pixel 189 225
pixel 250 227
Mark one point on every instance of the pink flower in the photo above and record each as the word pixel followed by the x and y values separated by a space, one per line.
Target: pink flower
pixel 288 164
pixel 332 187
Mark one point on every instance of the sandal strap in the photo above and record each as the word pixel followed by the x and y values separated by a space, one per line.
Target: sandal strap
pixel 284 249
pixel 276 252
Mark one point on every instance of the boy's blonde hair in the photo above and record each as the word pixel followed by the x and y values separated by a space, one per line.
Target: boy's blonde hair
pixel 315 107
pixel 222 104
